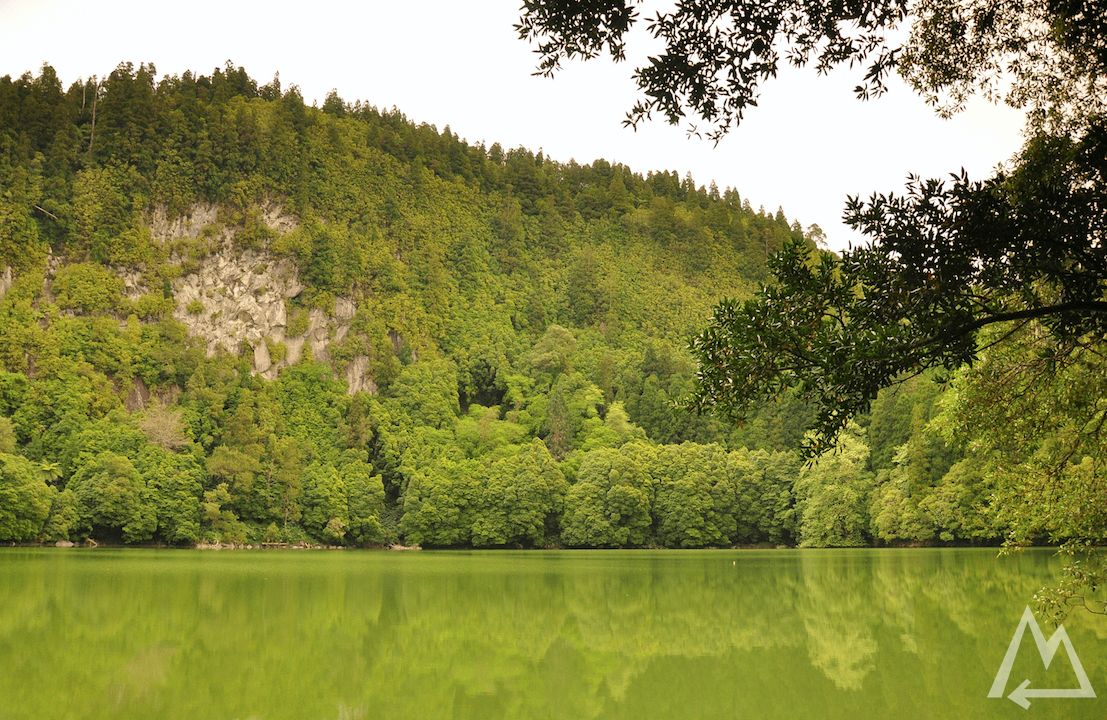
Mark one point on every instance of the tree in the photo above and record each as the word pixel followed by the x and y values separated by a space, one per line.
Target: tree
pixel 24 499
pixel 610 504
pixel 695 496
pixel 1019 248
pixel 946 260
pixel 520 498
pixel 833 494
pixel 223 521
pixel 365 498
pixel 176 483
pixel 1018 253
pixel 718 52
pixel 113 500
pixel 1039 409
pixel 326 506
pixel 553 353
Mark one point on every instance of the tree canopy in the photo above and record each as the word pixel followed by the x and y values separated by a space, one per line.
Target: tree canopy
pixel 949 259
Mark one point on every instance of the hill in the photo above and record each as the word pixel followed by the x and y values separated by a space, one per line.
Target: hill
pixel 228 316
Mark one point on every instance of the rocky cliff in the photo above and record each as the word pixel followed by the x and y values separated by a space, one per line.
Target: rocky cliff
pixel 231 297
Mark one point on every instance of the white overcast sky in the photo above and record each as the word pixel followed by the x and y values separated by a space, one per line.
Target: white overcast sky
pixel 806 147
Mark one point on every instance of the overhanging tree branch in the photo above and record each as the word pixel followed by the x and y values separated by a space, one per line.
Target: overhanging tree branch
pixel 1029 314
pixel 948 260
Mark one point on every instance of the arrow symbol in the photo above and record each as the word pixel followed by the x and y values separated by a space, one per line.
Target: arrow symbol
pixel 1020 694
pixel 1047 649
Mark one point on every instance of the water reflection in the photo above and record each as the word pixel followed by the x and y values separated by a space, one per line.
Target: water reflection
pixel 603 634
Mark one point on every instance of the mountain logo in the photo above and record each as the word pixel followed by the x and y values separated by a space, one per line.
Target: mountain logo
pixel 1047 649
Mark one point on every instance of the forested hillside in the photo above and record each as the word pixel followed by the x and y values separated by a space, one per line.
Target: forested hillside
pixel 227 316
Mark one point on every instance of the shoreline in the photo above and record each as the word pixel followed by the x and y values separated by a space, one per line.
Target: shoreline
pixel 396 547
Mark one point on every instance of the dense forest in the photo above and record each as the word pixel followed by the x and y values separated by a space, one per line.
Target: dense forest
pixel 496 342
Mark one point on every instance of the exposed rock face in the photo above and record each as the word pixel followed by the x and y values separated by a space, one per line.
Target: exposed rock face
pixel 138 397
pixel 238 296
pixel 191 225
pixel 357 377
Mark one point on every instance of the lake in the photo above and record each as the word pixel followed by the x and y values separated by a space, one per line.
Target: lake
pixel 914 633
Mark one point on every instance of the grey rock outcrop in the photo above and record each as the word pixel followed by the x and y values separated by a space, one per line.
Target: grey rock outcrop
pixel 238 297
pixel 235 298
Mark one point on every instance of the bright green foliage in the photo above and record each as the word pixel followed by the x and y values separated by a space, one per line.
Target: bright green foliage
pixel 101 212
pixel 832 496
pixel 176 482
pixel 326 505
pixel 7 436
pixel 284 480
pixel 521 499
pixel 24 499
pixel 616 431
pixel 63 519
pixel 21 244
pixel 309 399
pixel 89 287
pixel 427 393
pixel 769 494
pixel 573 413
pixel 480 432
pixel 365 500
pixel 220 522
pixel 239 472
pixel 554 352
pixel 963 505
pixel 440 502
pixel 113 500
pixel 898 502
pixel 696 497
pixel 610 504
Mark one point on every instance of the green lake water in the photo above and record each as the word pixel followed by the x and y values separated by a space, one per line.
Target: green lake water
pixel 685 635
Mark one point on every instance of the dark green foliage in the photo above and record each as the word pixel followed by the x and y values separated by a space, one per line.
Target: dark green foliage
pixel 113 500
pixel 716 73
pixel 696 497
pixel 717 53
pixel 950 260
pixel 24 499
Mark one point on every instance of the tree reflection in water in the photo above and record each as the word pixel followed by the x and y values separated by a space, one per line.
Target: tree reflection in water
pixel 589 634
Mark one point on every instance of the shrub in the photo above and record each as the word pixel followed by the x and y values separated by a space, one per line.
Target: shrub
pixel 89 287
